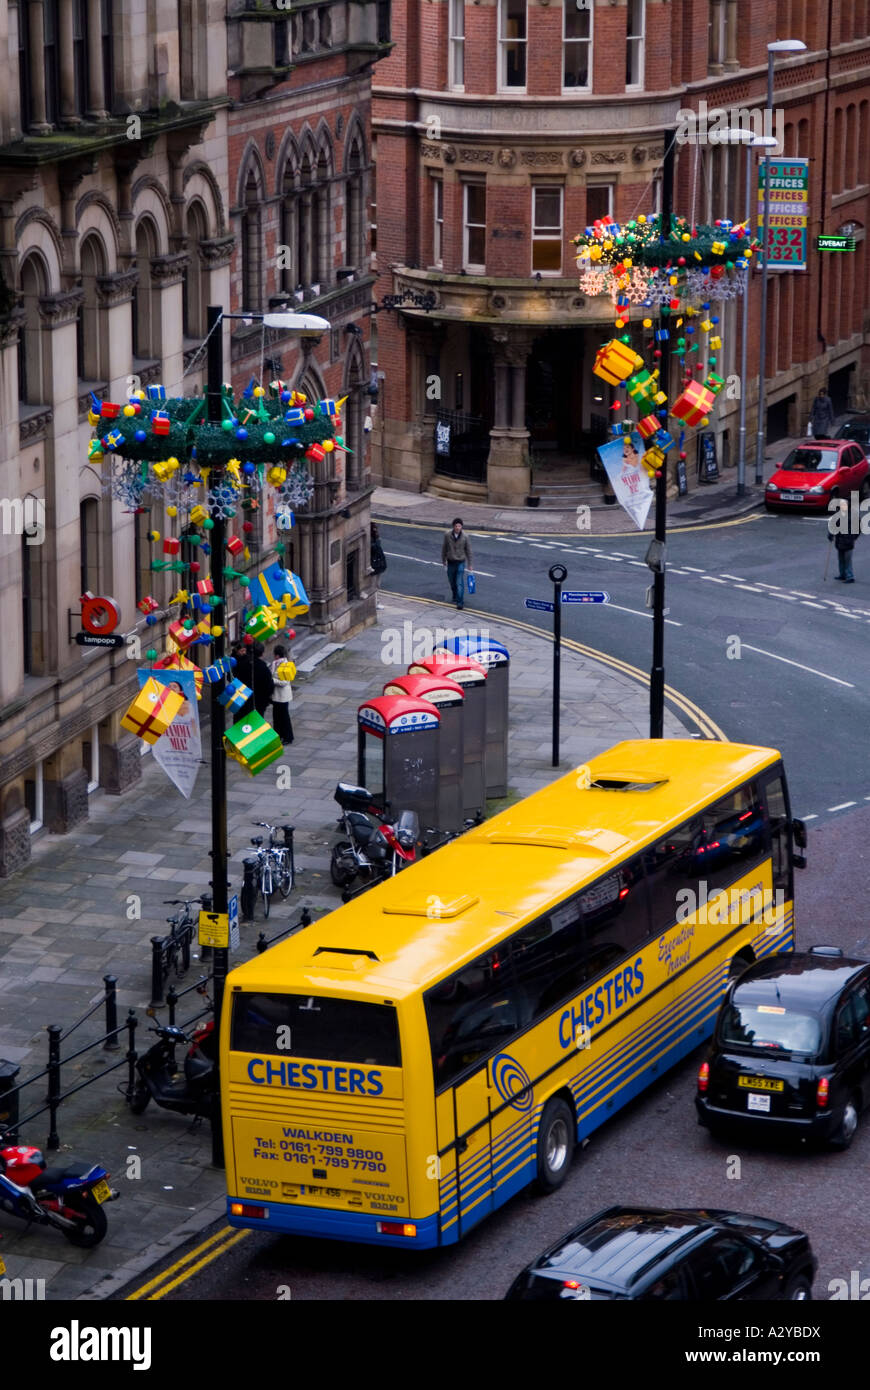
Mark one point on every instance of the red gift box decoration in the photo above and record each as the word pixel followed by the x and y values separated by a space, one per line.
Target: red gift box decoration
pixel 647 427
pixel 235 545
pixel 171 545
pixel 204 587
pixel 109 410
pixel 147 604
pixel 183 637
pixel 315 451
pixel 160 422
pixel 693 404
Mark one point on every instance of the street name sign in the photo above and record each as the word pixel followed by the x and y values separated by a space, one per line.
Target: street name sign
pixel 541 604
pixel 585 596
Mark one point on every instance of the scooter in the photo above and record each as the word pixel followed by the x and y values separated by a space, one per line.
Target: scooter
pixel 70 1198
pixel 188 1093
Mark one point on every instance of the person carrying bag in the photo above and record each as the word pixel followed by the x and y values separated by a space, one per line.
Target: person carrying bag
pixel 282 695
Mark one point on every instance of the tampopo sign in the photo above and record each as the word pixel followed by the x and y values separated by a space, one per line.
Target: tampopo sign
pixel 100 617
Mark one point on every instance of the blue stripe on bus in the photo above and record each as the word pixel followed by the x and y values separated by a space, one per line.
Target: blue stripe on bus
pixel 337 1225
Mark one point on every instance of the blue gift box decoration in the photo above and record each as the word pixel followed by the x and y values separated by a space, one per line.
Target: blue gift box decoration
pixel 327 407
pixel 157 393
pixel 664 441
pixel 235 695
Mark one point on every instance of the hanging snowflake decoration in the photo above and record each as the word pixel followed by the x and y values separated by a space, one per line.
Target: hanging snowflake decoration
pixel 298 488
pixel 222 501
pixel 124 480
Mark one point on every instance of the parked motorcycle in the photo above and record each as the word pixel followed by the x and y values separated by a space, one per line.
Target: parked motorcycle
pixel 375 849
pixel 70 1198
pixel 189 1092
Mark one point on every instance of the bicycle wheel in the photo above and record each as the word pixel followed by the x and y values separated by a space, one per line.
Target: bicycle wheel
pixel 266 888
pixel 285 874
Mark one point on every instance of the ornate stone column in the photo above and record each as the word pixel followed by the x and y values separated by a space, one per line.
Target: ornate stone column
pixel 307 258
pixel 507 471
pixel 68 114
pixel 716 64
pixel 36 119
pixel 732 62
pixel 96 95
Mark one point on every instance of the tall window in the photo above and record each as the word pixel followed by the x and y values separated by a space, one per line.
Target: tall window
pixel 251 249
pixel 474 226
pixel 323 232
pixel 547 230
pixel 289 266
pixel 577 45
pixel 32 381
pixel 80 55
pixel 456 48
pixel 89 544
pixel 108 56
pixel 599 201
pixel 716 34
pixel 634 43
pixel 91 355
pixel 193 285
pixel 437 222
pixel 31 599
pixel 512 44
pixel 354 207
pixel 50 59
pixel 303 226
pixel 146 329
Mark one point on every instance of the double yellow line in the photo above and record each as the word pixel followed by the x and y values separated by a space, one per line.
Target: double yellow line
pixel 169 1278
pixel 706 726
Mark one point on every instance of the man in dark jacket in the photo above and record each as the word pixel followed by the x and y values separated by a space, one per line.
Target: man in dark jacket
pixel 456 554
pixel 822 416
pixel 839 531
pixel 253 671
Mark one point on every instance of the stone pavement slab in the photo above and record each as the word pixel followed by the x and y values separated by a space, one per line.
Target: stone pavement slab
pixel 116 870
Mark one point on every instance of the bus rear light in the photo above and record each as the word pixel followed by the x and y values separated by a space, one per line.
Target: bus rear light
pixel 822 1093
pixel 703 1078
pixel 245 1209
pixel 396 1228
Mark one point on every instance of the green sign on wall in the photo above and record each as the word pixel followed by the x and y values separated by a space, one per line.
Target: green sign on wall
pixel 836 243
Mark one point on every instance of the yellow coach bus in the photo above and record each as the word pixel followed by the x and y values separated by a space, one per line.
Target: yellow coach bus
pixel 400 1068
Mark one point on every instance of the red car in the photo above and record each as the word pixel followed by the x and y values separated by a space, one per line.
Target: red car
pixel 815 472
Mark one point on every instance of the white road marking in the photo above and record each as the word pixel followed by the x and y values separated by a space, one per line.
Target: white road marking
pixel 641 563
pixel 808 603
pixel 639 614
pixel 810 817
pixel 507 540
pixel 762 585
pixel 397 555
pixel 789 598
pixel 800 593
pixel 812 671
pixel 711 579
pixel 621 553
pixel 738 579
pixel 844 805
pixel 750 588
pixel 539 545
pixel 693 568
pixel 617 559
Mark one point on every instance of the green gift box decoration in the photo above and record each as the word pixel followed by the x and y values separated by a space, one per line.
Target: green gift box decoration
pixel 714 383
pixel 253 743
pixel 263 622
pixel 642 389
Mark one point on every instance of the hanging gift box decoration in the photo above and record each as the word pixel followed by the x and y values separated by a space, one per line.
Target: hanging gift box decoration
pixel 327 407
pixel 204 587
pixel 270 586
pixel 152 711
pixel 198 514
pixel 295 601
pixel 262 623
pixel 235 545
pixel 693 404
pixel 641 388
pixel 147 604
pixel 715 343
pixel 220 668
pixel 95 451
pixel 286 671
pixel 615 361
pixel 714 383
pixel 664 441
pixel 315 452
pixel 182 635
pixel 177 661
pixel 113 440
pixel 160 422
pixel 253 743
pixel 157 393
pixel 235 696
pixel 171 545
pixel 109 410
pixel 647 427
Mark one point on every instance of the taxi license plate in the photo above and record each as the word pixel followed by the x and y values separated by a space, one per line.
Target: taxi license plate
pixel 792 496
pixel 101 1191
pixel 760 1083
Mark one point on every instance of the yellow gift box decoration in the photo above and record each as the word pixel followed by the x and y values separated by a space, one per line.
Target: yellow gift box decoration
pixel 286 671
pixel 616 361
pixel 152 711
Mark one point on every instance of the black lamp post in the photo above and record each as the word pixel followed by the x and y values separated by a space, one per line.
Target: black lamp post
pixel 655 557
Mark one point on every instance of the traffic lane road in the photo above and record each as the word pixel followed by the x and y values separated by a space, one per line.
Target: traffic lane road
pixel 757 691
pixel 653 1153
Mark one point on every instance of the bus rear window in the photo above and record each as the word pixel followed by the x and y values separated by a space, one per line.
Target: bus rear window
pixel 331 1030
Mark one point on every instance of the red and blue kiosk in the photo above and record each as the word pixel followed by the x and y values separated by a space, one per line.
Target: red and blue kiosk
pixel 472 677
pixel 448 698
pixel 496 658
pixel 397 754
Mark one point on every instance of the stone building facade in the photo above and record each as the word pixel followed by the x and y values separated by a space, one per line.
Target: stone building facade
pixel 503 128
pixel 139 151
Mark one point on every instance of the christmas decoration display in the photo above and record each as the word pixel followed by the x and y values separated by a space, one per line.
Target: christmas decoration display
pixel 235 695
pixel 152 711
pixel 253 743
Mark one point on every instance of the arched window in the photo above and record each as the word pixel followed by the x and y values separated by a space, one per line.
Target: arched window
pixel 89 544
pixel 323 224
pixel 33 385
pixel 90 328
pixel 31 606
pixel 146 325
pixel 353 412
pixel 193 284
pixel 354 208
pixel 252 264
pixel 304 225
pixel 289 264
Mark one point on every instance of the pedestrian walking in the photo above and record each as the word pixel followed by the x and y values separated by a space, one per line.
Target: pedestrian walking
pixel 822 416
pixel 253 671
pixel 378 559
pixel 844 542
pixel 456 554
pixel 282 696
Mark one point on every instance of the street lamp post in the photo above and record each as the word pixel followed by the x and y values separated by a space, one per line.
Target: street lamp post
pixel 739 136
pixel 779 46
pixel 656 554
pixel 301 325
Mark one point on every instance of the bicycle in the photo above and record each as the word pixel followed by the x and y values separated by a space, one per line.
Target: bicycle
pixel 182 926
pixel 275 864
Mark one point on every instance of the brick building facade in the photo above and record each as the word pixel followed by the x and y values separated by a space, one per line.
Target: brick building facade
pixel 503 128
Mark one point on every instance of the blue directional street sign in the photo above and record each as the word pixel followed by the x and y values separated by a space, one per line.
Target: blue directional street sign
pixel 584 596
pixel 540 603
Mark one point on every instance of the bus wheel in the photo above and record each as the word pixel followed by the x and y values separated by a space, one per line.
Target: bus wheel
pixel 740 962
pixel 555 1144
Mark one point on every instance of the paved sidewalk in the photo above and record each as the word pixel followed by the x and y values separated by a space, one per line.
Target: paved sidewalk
pixel 64 920
pixel 705 504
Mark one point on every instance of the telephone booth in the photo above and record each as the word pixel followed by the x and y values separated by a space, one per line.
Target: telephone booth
pixel 448 698
pixel 401 770
pixel 472 677
pixel 496 658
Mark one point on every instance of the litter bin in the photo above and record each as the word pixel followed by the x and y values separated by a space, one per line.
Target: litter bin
pixel 448 698
pixel 472 677
pixel 496 658
pixel 401 770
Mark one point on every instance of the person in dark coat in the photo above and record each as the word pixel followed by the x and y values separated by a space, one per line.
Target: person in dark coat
pixel 844 541
pixel 822 416
pixel 253 671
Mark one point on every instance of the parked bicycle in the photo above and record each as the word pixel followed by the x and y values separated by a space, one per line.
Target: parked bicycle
pixel 182 927
pixel 274 866
pixel 434 839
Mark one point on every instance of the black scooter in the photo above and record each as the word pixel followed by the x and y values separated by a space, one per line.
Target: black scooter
pixel 190 1092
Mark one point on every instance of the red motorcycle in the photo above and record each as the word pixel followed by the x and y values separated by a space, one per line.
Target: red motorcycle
pixel 375 848
pixel 69 1198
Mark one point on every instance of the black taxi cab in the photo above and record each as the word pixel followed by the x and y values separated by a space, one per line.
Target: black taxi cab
pixel 790 1054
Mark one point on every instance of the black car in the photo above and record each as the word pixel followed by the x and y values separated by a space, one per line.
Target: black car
pixel 645 1253
pixel 857 428
pixel 790 1054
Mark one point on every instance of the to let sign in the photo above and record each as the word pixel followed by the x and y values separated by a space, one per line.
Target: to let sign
pixel 788 213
